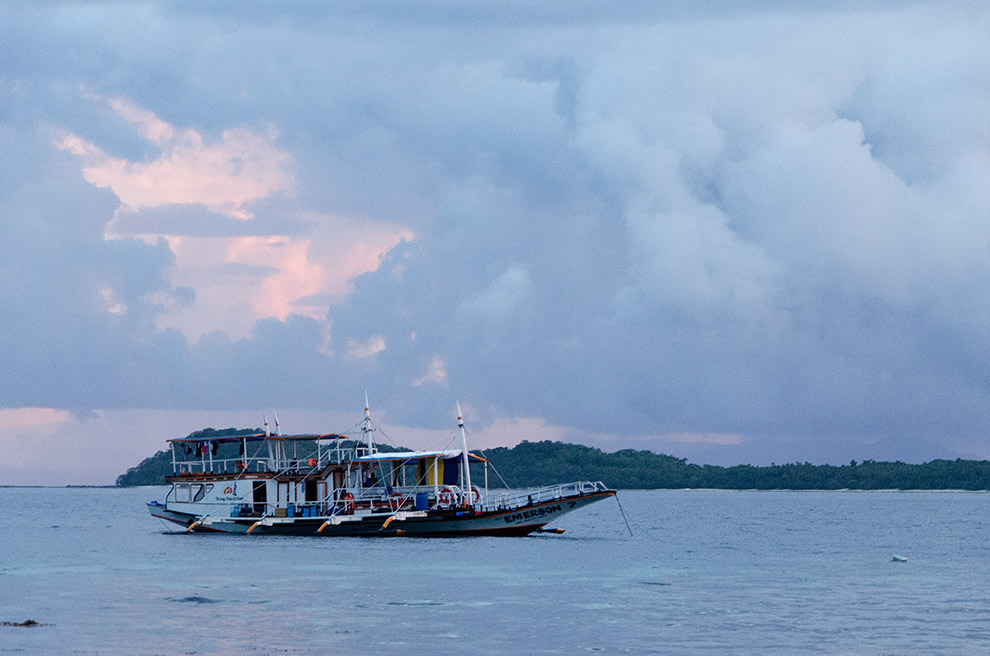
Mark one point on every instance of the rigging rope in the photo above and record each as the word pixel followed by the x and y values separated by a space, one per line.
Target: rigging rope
pixel 497 472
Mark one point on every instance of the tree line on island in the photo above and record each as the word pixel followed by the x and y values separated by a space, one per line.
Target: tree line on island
pixel 535 463
pixel 531 464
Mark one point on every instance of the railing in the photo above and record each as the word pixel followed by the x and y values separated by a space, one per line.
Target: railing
pixel 330 455
pixel 452 495
pixel 513 500
pixel 381 499
pixel 221 466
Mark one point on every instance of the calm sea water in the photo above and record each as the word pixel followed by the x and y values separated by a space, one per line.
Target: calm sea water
pixel 704 572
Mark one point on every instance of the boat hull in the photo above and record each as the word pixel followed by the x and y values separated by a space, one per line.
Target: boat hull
pixel 443 523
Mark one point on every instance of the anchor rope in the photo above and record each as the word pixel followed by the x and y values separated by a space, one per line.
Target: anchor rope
pixel 639 526
pixel 623 513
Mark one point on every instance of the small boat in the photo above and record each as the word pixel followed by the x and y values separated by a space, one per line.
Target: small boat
pixel 332 485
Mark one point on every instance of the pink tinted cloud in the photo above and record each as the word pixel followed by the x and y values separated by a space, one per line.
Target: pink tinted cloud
pixel 370 347
pixel 223 174
pixel 237 280
pixel 22 428
pixel 32 418
pixel 436 372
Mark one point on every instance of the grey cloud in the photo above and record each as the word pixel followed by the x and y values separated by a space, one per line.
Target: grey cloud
pixel 243 270
pixel 763 220
pixel 194 220
pixel 807 310
pixel 65 344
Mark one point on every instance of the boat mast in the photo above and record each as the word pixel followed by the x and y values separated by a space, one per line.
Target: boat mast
pixel 366 428
pixel 468 491
pixel 268 443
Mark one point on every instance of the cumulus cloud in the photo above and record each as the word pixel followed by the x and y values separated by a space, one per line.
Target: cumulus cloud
pixel 734 230
pixel 435 373
pixel 194 193
pixel 240 167
pixel 717 246
pixel 361 350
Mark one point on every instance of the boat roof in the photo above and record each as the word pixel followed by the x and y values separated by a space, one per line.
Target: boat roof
pixel 417 455
pixel 257 437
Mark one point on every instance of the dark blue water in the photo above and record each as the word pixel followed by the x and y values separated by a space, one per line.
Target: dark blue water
pixel 705 572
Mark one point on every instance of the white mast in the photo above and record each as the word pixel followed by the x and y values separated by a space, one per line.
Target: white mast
pixel 366 428
pixel 271 454
pixel 468 490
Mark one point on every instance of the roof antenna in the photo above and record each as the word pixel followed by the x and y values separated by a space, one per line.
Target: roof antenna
pixel 278 431
pixel 268 432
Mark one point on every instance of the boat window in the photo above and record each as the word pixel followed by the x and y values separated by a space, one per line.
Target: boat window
pixel 182 493
pixel 197 493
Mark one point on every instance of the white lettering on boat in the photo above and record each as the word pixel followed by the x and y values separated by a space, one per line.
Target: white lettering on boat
pixel 532 514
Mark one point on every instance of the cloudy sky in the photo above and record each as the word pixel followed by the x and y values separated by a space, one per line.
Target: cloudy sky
pixel 729 231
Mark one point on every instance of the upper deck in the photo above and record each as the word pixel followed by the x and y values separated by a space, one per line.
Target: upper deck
pixel 286 456
pixel 261 454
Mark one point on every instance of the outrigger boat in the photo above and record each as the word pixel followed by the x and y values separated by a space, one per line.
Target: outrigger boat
pixel 345 487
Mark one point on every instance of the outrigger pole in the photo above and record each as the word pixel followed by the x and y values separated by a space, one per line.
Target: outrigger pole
pixel 469 491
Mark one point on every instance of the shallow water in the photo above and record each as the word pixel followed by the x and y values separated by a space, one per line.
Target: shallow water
pixel 704 572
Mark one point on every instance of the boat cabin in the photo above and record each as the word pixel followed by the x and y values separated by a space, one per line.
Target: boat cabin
pixel 265 475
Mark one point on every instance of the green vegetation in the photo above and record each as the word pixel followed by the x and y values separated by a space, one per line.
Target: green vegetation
pixel 532 464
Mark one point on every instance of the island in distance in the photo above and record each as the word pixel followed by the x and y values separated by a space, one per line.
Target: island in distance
pixel 538 463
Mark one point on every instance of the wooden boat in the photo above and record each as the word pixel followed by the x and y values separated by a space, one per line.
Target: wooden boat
pixel 332 485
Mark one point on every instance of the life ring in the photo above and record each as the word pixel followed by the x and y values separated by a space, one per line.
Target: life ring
pixel 446 496
pixel 349 503
pixel 396 500
pixel 475 495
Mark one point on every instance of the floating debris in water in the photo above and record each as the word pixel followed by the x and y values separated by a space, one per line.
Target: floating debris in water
pixel 24 623
pixel 195 600
pixel 898 559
